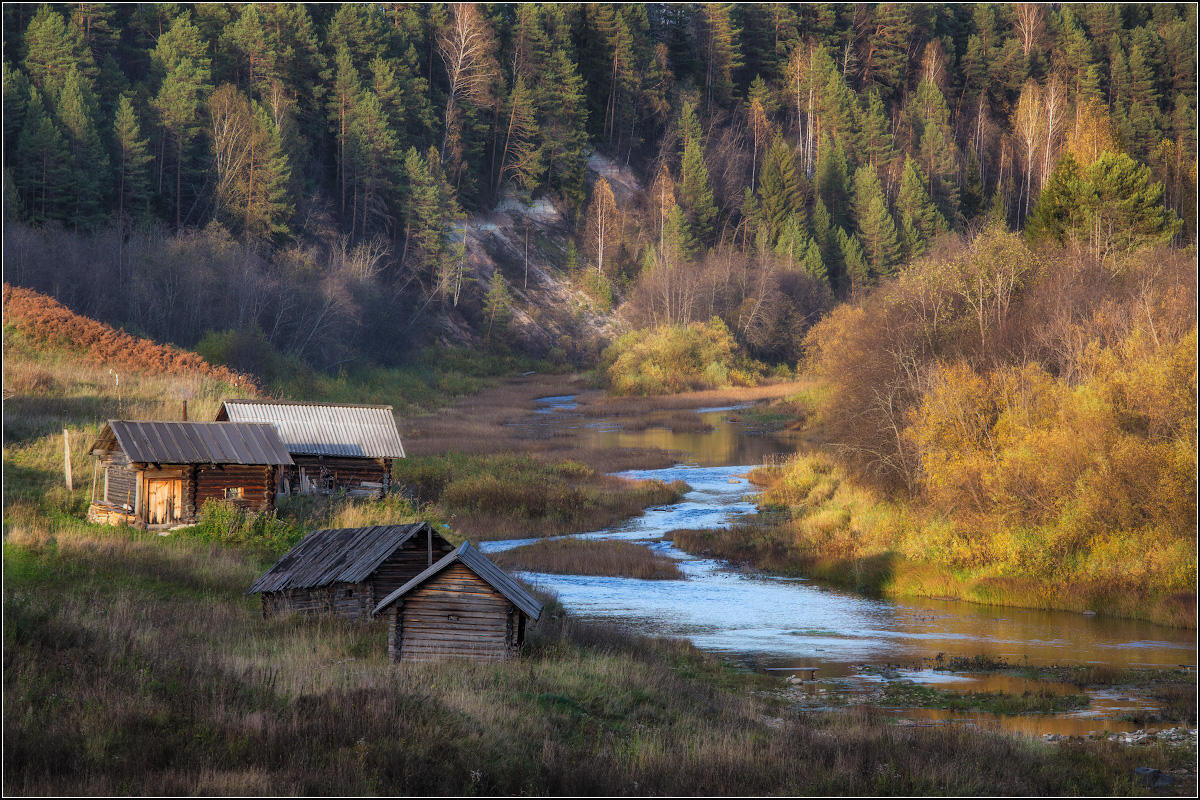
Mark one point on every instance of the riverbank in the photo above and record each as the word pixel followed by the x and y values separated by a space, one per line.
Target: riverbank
pixel 818 522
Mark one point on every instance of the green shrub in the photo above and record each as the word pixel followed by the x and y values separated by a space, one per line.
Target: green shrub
pixel 677 358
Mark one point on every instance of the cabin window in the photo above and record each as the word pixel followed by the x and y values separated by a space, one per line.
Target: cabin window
pixel 349 593
pixel 235 493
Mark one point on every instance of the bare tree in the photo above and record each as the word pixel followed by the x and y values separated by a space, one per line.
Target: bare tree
pixel 1031 21
pixel 1027 126
pixel 1054 98
pixel 465 45
pixel 602 219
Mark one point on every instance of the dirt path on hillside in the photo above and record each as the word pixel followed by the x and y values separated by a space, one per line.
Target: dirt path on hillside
pixel 505 419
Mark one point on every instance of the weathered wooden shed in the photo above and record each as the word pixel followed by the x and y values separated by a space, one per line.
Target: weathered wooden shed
pixel 334 447
pixel 158 474
pixel 347 571
pixel 462 606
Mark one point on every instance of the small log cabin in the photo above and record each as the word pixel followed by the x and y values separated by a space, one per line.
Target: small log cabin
pixel 159 474
pixel 463 606
pixel 347 571
pixel 334 447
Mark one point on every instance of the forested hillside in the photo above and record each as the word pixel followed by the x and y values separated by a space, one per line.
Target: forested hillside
pixel 320 177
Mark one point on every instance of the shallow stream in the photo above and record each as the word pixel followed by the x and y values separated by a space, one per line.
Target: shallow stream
pixel 785 624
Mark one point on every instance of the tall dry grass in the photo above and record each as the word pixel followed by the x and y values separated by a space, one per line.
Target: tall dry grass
pixel 134 665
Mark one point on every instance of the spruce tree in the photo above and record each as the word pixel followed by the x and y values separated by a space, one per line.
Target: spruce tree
pixel 131 159
pixel 696 195
pixel 919 218
pixel 780 190
pixel 874 225
pixel 832 179
pixel 854 262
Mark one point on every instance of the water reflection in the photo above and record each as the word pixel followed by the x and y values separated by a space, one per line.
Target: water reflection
pixel 726 443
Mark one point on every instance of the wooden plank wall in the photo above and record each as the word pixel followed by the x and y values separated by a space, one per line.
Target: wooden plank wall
pixel 121 483
pixel 454 614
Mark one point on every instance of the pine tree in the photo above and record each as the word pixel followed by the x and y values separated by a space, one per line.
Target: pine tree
pixel 563 121
pixel 181 55
pixel 780 191
pixel 342 104
pixel 88 162
pixel 920 220
pixel 52 48
pixel 887 63
pixel 721 52
pixel 42 164
pixel 132 158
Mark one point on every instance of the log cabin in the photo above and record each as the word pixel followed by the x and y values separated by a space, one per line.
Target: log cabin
pixel 334 446
pixel 347 571
pixel 462 606
pixel 159 474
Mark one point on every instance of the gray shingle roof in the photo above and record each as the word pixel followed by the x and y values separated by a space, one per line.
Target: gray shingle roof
pixel 335 555
pixel 482 566
pixel 324 429
pixel 194 442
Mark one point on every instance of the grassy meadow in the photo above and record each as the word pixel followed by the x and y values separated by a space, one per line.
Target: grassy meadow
pixel 134 663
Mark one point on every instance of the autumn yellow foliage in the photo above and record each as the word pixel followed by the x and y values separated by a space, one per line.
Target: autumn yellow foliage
pixel 1037 425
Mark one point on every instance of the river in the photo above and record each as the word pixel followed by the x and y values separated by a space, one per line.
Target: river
pixel 785 624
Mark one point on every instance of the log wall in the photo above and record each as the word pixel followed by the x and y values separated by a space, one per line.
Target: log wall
pixel 370 476
pixel 257 480
pixel 359 599
pixel 455 614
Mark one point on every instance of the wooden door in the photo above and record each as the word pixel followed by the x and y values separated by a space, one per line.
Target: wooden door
pixel 164 501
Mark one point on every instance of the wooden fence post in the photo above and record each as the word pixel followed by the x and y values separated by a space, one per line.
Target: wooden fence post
pixel 67 459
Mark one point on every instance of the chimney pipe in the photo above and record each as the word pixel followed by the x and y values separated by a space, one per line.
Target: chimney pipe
pixel 185 410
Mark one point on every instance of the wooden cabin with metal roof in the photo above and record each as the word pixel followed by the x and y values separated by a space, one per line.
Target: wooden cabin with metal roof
pixel 347 571
pixel 334 446
pixel 159 474
pixel 462 606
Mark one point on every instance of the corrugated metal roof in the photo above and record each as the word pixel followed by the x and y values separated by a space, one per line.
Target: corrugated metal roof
pixel 482 566
pixel 324 429
pixel 334 555
pixel 194 442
